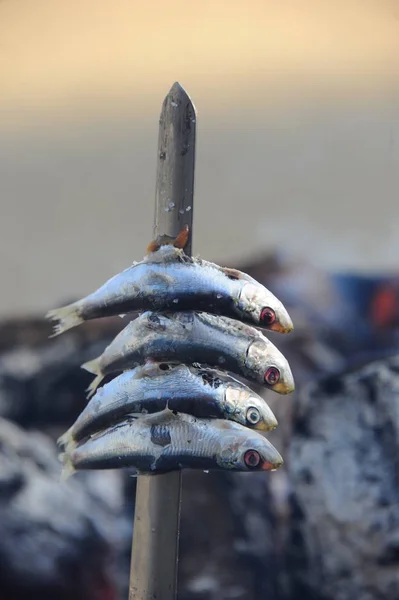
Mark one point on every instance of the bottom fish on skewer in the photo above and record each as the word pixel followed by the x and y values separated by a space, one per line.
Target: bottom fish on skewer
pixel 166 441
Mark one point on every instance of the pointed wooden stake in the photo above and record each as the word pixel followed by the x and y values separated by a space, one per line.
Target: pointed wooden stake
pixel 153 573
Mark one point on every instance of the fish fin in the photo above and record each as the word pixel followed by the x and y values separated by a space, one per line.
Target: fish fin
pixel 153 246
pixel 65 439
pixel 67 469
pixel 160 240
pixel 235 274
pixel 136 415
pixel 232 273
pixel 94 385
pixel 160 417
pixel 67 317
pixel 149 369
pixel 180 241
pixel 154 278
pixel 92 366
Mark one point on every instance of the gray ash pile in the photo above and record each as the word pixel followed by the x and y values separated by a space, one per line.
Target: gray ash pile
pixel 323 527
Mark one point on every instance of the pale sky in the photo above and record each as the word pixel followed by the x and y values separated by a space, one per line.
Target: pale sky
pixel 298 129
pixel 109 54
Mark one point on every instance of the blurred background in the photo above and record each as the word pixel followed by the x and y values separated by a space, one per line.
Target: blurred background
pixel 297 183
pixel 298 133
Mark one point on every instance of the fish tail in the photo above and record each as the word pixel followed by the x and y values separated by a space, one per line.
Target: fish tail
pixel 94 385
pixel 93 366
pixel 66 439
pixel 65 317
pixel 67 467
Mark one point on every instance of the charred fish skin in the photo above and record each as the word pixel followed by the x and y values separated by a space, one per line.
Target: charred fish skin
pixel 167 442
pixel 169 280
pixel 205 393
pixel 191 337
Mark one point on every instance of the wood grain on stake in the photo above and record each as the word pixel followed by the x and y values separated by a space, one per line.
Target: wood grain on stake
pixel 157 513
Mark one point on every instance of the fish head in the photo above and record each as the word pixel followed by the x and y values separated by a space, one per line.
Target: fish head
pixel 264 309
pixel 270 366
pixel 245 407
pixel 249 452
pixel 259 455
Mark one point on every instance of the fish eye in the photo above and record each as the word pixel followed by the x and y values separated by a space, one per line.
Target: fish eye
pixel 252 459
pixel 253 415
pixel 267 316
pixel 272 376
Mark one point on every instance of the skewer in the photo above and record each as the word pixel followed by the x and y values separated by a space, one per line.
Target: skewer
pixel 153 573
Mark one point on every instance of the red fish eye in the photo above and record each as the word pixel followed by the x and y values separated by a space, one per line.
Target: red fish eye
pixel 251 458
pixel 272 376
pixel 267 316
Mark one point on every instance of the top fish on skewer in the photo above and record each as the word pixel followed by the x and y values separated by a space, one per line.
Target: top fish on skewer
pixel 167 279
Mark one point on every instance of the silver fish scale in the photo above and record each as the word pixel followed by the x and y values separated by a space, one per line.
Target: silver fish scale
pixel 162 435
pixel 191 337
pixel 202 392
pixel 133 420
pixel 170 254
pixel 157 336
pixel 167 441
pixel 231 326
pixel 116 445
pixel 158 283
pixel 133 391
pixel 198 440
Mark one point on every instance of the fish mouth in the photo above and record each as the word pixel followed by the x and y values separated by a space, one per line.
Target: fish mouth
pixel 285 327
pixel 283 387
pixel 265 425
pixel 271 466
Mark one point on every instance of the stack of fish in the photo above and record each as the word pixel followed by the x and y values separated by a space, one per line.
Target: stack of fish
pixel 176 404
